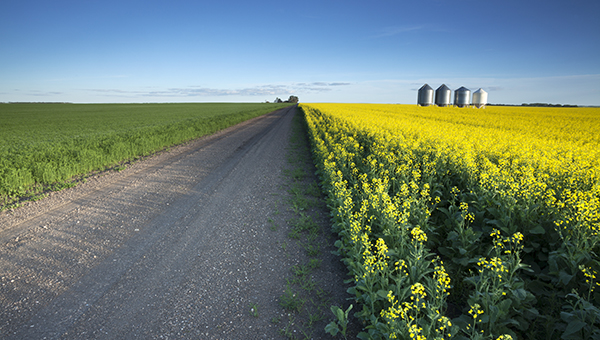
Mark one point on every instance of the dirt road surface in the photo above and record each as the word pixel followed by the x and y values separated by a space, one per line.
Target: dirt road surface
pixel 175 246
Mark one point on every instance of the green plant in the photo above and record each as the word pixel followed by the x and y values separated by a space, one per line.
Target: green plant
pixel 298 174
pixel 273 226
pixel 314 263
pixel 301 270
pixel 315 317
pixel 287 331
pixel 254 310
pixel 290 300
pixel 341 323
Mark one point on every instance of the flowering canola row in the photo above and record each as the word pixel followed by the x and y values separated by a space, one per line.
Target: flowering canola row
pixel 461 223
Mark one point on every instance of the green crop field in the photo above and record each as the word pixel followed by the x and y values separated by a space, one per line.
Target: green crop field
pixel 44 146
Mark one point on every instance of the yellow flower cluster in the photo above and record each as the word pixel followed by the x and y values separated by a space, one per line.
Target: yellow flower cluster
pixel 475 313
pixel 590 277
pixel 401 267
pixel 415 332
pixel 442 279
pixel 467 216
pixel 418 295
pixel 418 234
pixel 495 265
pixel 505 337
pixel 445 324
pixel 507 245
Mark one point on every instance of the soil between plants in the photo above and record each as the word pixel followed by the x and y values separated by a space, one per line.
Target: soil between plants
pixel 181 245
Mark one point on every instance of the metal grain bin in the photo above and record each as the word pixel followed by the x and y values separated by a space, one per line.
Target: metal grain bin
pixel 480 98
pixel 443 96
pixel 425 96
pixel 462 97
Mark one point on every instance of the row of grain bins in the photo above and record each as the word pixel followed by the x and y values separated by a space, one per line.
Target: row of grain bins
pixel 462 97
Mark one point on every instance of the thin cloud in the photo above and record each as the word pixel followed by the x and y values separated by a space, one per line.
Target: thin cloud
pixel 39 93
pixel 318 86
pixel 396 30
pixel 111 91
pixel 200 91
pixel 328 84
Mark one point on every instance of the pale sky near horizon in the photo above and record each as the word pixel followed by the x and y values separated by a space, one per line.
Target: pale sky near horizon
pixel 378 51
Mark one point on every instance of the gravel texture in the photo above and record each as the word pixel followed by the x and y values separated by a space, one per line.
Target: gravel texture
pixel 180 245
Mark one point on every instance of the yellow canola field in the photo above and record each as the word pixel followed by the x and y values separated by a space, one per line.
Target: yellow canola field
pixel 507 197
pixel 517 151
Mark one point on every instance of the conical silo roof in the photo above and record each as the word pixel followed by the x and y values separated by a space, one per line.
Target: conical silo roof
pixel 425 87
pixel 462 97
pixel 480 98
pixel 443 95
pixel 425 95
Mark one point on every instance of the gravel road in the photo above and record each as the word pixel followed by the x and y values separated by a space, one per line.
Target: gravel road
pixel 175 246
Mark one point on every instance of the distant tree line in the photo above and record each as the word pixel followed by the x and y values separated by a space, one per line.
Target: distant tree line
pixel 292 99
pixel 36 103
pixel 547 105
pixel 536 105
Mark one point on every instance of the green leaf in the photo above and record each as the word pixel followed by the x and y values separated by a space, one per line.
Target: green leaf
pixel 332 328
pixel 348 311
pixel 453 235
pixel 564 277
pixel 339 314
pixel 363 336
pixel 504 305
pixel 460 337
pixel 382 294
pixel 445 251
pixel 463 261
pixel 567 317
pixel 445 211
pixel 362 287
pixel 539 230
pixel 520 293
pixel 496 223
pixel 572 327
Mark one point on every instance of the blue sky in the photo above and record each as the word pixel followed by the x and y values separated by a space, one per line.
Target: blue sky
pixel 377 51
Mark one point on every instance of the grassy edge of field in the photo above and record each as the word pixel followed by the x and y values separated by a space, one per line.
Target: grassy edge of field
pixel 38 191
pixel 306 305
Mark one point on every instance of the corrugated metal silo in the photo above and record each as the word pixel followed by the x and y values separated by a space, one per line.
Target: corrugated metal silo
pixel 462 97
pixel 480 98
pixel 425 96
pixel 443 96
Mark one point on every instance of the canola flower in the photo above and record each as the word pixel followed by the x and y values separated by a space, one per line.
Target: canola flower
pixel 505 337
pixel 442 280
pixel 590 277
pixel 475 312
pixel 418 234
